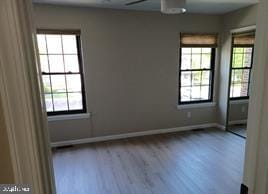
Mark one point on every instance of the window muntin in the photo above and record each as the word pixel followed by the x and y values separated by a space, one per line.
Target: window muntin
pixel 196 74
pixel 62 73
pixel 242 60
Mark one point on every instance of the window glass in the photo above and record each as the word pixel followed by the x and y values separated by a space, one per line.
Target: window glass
pixel 196 72
pixel 61 73
pixel 241 69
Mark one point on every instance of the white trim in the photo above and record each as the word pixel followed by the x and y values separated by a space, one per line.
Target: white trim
pixel 133 134
pixel 68 117
pixel 222 127
pixel 243 29
pixel 219 126
pixel 9 125
pixel 238 122
pixel 239 101
pixel 21 99
pixel 254 169
pixel 197 105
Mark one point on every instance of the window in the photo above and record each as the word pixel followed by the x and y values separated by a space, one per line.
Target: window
pixel 62 74
pixel 242 60
pixel 196 69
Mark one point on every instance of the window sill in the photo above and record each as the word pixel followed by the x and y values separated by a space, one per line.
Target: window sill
pixel 239 101
pixel 197 105
pixel 68 117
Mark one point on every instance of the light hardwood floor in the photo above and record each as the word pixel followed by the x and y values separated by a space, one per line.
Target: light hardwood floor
pixel 199 162
pixel 239 129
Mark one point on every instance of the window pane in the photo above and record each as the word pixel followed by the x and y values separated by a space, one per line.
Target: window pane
pixel 185 78
pixel 195 84
pixel 75 101
pixel 236 90
pixel 186 50
pixel 196 61
pixel 231 90
pixel 206 50
pixel 60 102
pixel 71 63
pixel 69 44
pixel 206 60
pixel 44 63
pixel 238 60
pixel 54 44
pixel 245 77
pixel 46 84
pixel 185 94
pixel 238 50
pixel 248 50
pixel 233 76
pixel 58 83
pixel 247 59
pixel 61 72
pixel 73 83
pixel 196 50
pixel 242 58
pixel 186 62
pixel 238 76
pixel 56 63
pixel 204 92
pixel 196 93
pixel 206 78
pixel 244 89
pixel 196 78
pixel 41 40
pixel 49 104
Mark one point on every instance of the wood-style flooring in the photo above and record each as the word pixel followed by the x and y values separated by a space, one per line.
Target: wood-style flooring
pixel 195 162
pixel 239 129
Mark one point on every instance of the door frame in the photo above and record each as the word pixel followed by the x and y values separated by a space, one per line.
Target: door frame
pixel 23 106
pixel 255 166
pixel 232 32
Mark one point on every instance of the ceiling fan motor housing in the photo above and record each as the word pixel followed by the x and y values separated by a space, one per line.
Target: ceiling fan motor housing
pixel 173 6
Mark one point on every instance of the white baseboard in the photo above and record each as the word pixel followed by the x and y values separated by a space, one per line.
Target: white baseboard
pixel 222 127
pixel 219 126
pixel 237 122
pixel 133 134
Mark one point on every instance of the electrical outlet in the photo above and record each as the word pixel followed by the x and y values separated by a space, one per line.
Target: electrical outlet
pixel 189 115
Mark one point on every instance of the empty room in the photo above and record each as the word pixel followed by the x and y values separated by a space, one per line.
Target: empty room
pixel 133 96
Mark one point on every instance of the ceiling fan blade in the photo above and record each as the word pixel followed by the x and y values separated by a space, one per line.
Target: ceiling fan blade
pixel 135 2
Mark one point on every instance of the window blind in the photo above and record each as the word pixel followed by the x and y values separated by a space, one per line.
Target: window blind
pixel 198 40
pixel 244 39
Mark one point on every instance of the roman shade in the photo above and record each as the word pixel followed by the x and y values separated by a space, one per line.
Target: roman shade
pixel 198 40
pixel 244 39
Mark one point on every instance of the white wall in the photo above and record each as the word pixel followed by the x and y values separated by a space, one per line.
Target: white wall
pixel 130 62
pixel 238 111
pixel 233 20
pixel 256 159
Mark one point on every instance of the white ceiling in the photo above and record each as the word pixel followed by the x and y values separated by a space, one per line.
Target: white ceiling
pixel 193 6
